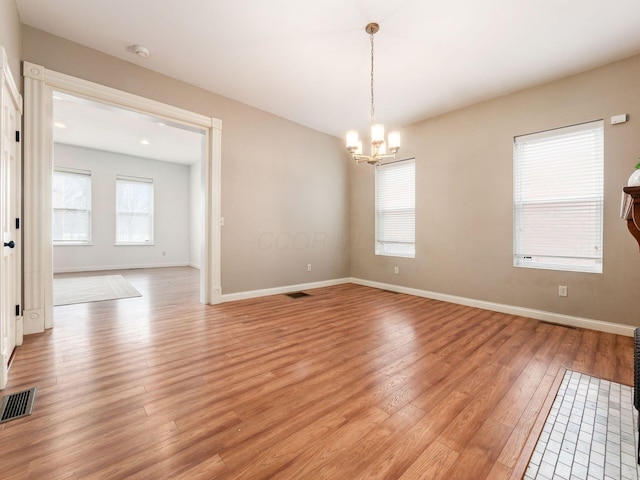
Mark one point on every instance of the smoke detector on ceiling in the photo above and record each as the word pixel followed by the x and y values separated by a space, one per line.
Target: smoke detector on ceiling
pixel 139 50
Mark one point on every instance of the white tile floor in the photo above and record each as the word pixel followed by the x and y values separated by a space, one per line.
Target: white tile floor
pixel 589 434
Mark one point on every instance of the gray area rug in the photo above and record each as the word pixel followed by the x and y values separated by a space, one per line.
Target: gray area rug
pixel 71 290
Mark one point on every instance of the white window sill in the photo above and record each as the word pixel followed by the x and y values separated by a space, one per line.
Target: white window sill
pixel 402 255
pixel 72 244
pixel 141 244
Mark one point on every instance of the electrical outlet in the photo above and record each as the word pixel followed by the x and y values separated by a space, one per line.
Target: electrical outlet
pixel 308 267
pixel 563 290
pixel 396 270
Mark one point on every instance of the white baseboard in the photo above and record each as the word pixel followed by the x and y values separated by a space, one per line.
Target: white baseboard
pixel 194 265
pixel 558 318
pixel 96 268
pixel 232 297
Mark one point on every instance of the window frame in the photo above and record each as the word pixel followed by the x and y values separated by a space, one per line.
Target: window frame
pixel 384 246
pixel 590 203
pixel 150 215
pixel 88 194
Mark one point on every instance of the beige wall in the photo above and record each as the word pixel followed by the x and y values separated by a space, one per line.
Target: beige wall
pixel 284 186
pixel 10 29
pixel 464 200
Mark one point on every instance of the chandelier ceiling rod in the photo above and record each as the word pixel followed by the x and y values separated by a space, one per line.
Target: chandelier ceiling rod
pixel 372 28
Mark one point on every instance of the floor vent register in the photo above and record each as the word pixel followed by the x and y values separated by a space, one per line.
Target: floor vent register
pixel 17 405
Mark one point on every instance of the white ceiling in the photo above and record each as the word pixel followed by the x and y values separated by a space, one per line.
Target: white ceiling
pixel 89 124
pixel 309 61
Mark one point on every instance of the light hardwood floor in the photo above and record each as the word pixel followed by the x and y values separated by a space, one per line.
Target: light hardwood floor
pixel 349 383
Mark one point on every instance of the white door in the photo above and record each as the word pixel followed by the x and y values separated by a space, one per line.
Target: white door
pixel 10 277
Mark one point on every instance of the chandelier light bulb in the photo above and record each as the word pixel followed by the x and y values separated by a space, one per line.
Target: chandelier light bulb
pixel 377 133
pixel 352 139
pixel 394 141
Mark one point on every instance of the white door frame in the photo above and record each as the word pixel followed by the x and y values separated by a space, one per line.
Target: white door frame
pixel 10 131
pixel 39 84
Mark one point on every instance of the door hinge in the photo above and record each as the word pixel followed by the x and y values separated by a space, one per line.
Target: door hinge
pixel 17 135
pixel 17 224
pixel 17 310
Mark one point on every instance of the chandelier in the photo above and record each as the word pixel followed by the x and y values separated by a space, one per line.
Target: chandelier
pixel 378 146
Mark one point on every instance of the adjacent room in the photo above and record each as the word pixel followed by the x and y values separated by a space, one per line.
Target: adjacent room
pixel 401 240
pixel 126 195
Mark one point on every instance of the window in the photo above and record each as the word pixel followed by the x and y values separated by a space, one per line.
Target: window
pixel 71 207
pixel 396 209
pixel 134 211
pixel 558 198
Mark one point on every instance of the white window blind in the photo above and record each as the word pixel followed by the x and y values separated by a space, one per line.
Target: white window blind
pixel 71 206
pixel 134 211
pixel 396 209
pixel 558 198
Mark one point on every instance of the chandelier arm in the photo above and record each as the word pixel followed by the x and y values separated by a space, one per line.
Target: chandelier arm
pixel 362 159
pixel 369 158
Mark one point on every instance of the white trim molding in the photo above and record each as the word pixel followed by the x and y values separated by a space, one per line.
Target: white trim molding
pixel 39 84
pixel 94 91
pixel 211 288
pixel 36 216
pixel 232 297
pixel 551 317
pixel 132 266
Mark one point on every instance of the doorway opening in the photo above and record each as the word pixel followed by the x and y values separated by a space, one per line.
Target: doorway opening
pixel 40 85
pixel 127 194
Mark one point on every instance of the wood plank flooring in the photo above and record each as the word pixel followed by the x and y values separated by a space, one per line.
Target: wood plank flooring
pixel 348 383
